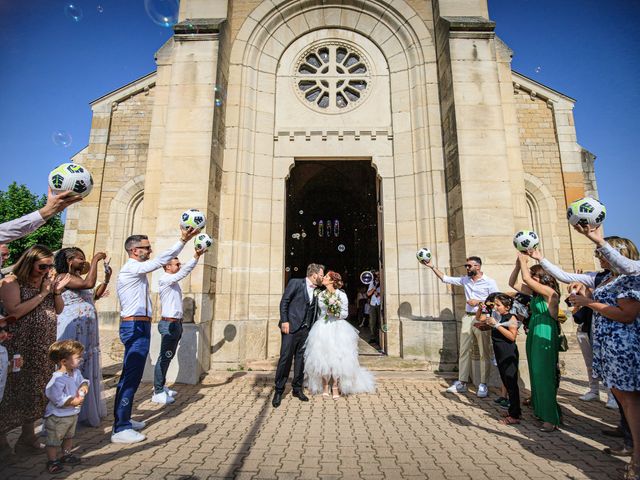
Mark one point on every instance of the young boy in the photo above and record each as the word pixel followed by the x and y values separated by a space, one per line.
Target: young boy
pixel 5 361
pixel 66 391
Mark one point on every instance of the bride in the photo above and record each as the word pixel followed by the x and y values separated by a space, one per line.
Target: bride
pixel 331 353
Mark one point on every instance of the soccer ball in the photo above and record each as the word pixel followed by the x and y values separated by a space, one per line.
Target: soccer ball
pixel 423 255
pixel 193 218
pixel 202 241
pixel 586 211
pixel 525 240
pixel 71 177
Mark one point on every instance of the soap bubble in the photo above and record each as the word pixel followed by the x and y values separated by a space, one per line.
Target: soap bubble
pixel 538 69
pixel 162 12
pixel 73 12
pixel 287 269
pixel 218 102
pixel 100 9
pixel 341 248
pixel 61 138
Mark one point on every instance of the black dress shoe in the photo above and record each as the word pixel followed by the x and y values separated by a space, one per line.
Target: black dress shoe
pixel 277 398
pixel 616 432
pixel 301 396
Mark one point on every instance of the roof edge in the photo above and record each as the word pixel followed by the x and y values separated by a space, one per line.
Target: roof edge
pixel 550 92
pixel 128 89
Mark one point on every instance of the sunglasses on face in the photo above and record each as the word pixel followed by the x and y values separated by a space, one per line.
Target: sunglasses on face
pixel 148 247
pixel 45 266
pixel 468 266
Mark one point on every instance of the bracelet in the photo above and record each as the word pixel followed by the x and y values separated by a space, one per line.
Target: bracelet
pixel 57 294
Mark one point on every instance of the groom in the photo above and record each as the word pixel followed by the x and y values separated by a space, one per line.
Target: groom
pixel 298 310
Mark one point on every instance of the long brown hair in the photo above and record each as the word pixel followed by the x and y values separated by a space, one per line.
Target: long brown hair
pixel 23 267
pixel 545 278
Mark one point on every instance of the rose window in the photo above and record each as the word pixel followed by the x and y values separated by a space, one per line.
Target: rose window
pixel 332 78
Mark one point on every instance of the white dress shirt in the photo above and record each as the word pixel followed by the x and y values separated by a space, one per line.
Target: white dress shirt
pixel 478 290
pixel 311 288
pixel 20 227
pixel 374 300
pixel 133 287
pixel 170 291
pixel 4 369
pixel 61 388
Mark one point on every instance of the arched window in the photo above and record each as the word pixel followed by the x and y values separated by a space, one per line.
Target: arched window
pixel 534 213
pixel 134 214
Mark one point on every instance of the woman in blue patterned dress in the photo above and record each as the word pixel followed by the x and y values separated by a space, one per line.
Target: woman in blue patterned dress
pixel 616 341
pixel 79 321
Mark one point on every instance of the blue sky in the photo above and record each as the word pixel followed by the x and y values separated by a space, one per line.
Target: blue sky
pixel 52 66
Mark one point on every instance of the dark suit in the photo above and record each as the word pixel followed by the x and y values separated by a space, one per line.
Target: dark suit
pixel 299 311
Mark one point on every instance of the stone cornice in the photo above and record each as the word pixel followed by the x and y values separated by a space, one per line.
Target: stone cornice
pixel 120 94
pixel 536 89
pixel 198 29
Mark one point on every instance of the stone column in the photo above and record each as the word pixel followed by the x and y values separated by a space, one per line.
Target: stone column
pixel 181 167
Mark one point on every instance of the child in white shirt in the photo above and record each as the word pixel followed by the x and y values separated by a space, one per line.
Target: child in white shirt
pixel 66 391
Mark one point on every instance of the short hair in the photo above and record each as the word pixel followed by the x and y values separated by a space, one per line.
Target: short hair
pixel 63 256
pixel 167 264
pixel 133 240
pixel 314 268
pixel 475 259
pixel 63 349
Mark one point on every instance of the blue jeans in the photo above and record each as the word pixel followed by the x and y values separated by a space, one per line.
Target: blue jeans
pixel 171 332
pixel 135 336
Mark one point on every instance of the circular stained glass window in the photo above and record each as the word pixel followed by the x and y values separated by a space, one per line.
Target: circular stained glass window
pixel 332 77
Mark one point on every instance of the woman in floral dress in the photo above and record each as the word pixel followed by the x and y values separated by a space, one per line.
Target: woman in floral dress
pixel 616 341
pixel 79 321
pixel 331 351
pixel 33 296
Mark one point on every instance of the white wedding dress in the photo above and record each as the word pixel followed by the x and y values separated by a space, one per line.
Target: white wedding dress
pixel 331 350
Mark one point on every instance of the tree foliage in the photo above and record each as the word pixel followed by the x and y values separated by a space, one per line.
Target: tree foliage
pixel 17 201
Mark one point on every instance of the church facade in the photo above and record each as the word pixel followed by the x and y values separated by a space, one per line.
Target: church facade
pixel 344 132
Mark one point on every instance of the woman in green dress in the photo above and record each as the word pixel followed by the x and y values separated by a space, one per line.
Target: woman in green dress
pixel 542 339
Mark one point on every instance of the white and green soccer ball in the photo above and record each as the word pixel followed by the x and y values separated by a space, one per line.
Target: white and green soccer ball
pixel 71 177
pixel 423 255
pixel 525 240
pixel 203 241
pixel 193 218
pixel 586 211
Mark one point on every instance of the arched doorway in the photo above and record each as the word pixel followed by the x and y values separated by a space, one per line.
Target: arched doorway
pixel 332 217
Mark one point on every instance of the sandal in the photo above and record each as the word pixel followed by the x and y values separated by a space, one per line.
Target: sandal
pixel 54 466
pixel 336 393
pixel 527 402
pixel 70 459
pixel 509 420
pixel 548 428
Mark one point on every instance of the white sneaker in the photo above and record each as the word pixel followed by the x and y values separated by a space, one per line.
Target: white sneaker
pixel 483 391
pixel 127 436
pixel 587 397
pixel 611 403
pixel 457 387
pixel 137 425
pixel 162 398
pixel 171 393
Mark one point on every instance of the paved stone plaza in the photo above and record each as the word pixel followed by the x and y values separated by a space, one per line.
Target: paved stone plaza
pixel 226 428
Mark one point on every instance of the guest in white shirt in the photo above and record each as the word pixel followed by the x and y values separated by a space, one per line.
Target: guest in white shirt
pixel 135 327
pixel 66 391
pixel 477 287
pixel 5 364
pixel 170 325
pixel 375 300
pixel 26 224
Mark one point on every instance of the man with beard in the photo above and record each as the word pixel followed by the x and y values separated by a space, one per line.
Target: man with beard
pixel 298 310
pixel 477 287
pixel 135 326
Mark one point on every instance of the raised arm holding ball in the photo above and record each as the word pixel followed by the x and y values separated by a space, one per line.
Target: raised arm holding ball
pixel 613 255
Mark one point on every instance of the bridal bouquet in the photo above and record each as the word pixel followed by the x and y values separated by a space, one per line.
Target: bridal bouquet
pixel 333 304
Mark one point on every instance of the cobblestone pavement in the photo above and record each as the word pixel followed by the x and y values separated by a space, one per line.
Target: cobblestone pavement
pixel 226 428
